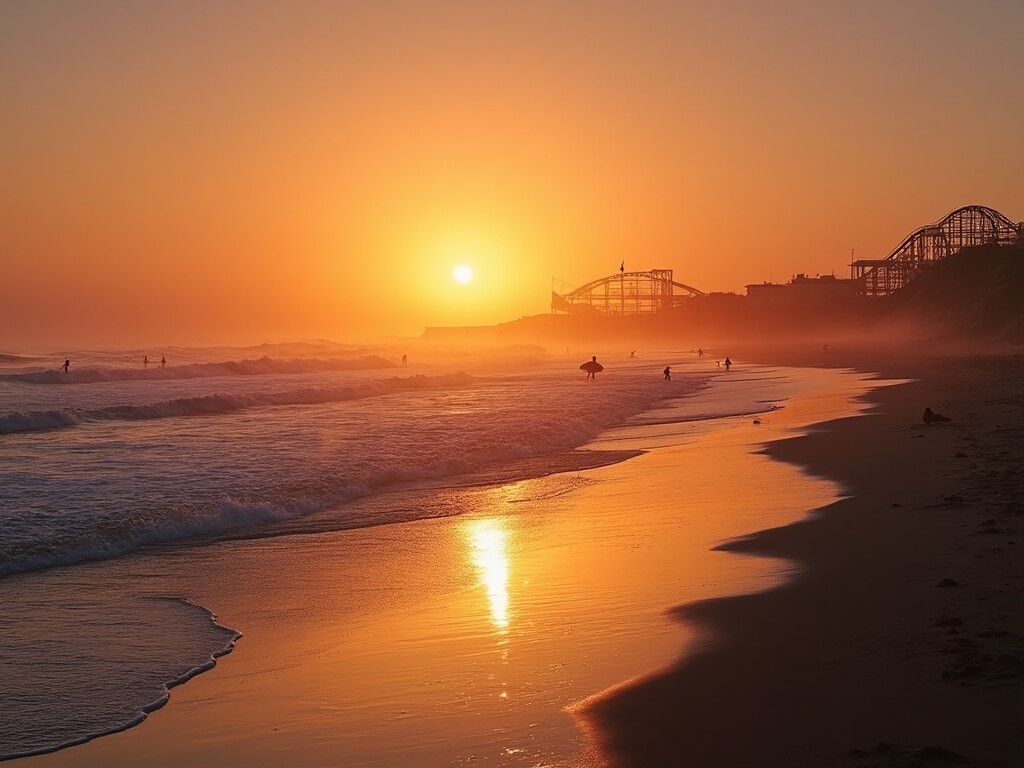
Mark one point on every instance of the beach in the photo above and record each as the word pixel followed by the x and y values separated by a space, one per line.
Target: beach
pixel 899 642
pixel 775 603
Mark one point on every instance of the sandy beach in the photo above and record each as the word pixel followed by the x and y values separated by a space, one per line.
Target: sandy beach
pixel 621 598
pixel 900 641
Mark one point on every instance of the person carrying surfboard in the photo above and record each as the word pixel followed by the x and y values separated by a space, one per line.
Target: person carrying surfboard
pixel 592 367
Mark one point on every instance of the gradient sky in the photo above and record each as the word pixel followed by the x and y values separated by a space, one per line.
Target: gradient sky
pixel 176 172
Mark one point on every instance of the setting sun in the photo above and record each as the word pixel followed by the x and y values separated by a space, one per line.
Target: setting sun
pixel 462 274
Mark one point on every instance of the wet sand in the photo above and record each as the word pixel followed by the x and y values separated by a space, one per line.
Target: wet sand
pixel 901 641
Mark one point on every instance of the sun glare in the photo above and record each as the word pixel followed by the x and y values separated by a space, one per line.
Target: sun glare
pixel 462 274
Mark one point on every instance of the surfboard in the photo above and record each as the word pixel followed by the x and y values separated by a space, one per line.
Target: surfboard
pixel 592 367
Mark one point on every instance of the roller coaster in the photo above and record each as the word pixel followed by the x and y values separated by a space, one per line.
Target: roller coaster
pixel 635 293
pixel 968 226
pixel 627 293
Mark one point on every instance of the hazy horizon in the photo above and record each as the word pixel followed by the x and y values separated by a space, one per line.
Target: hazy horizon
pixel 245 172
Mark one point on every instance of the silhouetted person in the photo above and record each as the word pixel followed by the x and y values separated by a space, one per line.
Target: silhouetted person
pixel 145 361
pixel 632 355
pixel 405 360
pixel 930 417
pixel 163 361
pixel 700 352
pixel 668 373
pixel 592 368
pixel 67 364
pixel 728 363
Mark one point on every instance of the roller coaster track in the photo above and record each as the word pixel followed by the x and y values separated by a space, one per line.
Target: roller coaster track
pixel 968 226
pixel 627 293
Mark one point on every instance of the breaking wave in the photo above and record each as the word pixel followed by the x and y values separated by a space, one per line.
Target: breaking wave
pixel 205 405
pixel 260 367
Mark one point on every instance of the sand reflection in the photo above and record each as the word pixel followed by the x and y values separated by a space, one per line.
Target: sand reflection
pixel 488 540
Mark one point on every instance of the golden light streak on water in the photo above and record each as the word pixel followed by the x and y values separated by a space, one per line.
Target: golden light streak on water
pixel 488 540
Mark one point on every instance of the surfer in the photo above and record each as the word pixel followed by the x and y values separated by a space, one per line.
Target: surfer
pixel 632 355
pixel 163 361
pixel 405 360
pixel 593 367
pixel 67 364
pixel 145 361
pixel 668 373
pixel 728 363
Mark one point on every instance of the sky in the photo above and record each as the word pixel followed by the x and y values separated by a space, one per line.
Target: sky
pixel 236 172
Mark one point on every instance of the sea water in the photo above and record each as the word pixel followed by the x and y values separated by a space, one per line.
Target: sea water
pixel 115 457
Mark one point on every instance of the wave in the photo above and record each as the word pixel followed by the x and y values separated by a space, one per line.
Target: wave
pixel 206 405
pixel 232 636
pixel 6 357
pixel 263 366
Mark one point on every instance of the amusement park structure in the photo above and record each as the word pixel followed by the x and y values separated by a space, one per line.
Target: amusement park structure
pixel 636 293
pixel 627 293
pixel 968 226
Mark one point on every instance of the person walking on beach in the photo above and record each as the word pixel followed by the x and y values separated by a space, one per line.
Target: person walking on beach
pixel 668 373
pixel 700 352
pixel 728 363
pixel 67 364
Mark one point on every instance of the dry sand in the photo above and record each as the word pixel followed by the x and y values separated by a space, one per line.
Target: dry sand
pixel 902 641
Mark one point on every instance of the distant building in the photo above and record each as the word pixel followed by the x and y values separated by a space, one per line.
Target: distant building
pixel 805 291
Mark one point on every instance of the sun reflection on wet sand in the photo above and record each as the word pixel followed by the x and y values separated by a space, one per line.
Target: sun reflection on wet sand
pixel 488 540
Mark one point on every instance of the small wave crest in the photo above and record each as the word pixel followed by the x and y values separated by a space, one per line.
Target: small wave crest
pixel 263 366
pixel 34 421
pixel 205 405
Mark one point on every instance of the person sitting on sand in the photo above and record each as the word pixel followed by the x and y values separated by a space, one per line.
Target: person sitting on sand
pixel 668 373
pixel 67 364
pixel 930 417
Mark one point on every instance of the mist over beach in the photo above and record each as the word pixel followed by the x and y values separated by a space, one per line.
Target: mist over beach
pixel 562 385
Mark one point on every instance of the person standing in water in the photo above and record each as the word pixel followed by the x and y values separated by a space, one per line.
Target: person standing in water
pixel 728 363
pixel 668 373
pixel 163 361
pixel 145 361
pixel 67 364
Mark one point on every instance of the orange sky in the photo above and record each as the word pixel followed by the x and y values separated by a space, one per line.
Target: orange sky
pixel 178 172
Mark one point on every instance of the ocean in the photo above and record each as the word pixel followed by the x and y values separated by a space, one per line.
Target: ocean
pixel 114 460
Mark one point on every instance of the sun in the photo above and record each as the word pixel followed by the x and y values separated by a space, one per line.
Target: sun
pixel 462 274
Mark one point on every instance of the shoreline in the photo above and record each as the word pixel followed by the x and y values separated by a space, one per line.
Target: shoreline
pixel 899 638
pixel 571 602
pixel 255 711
